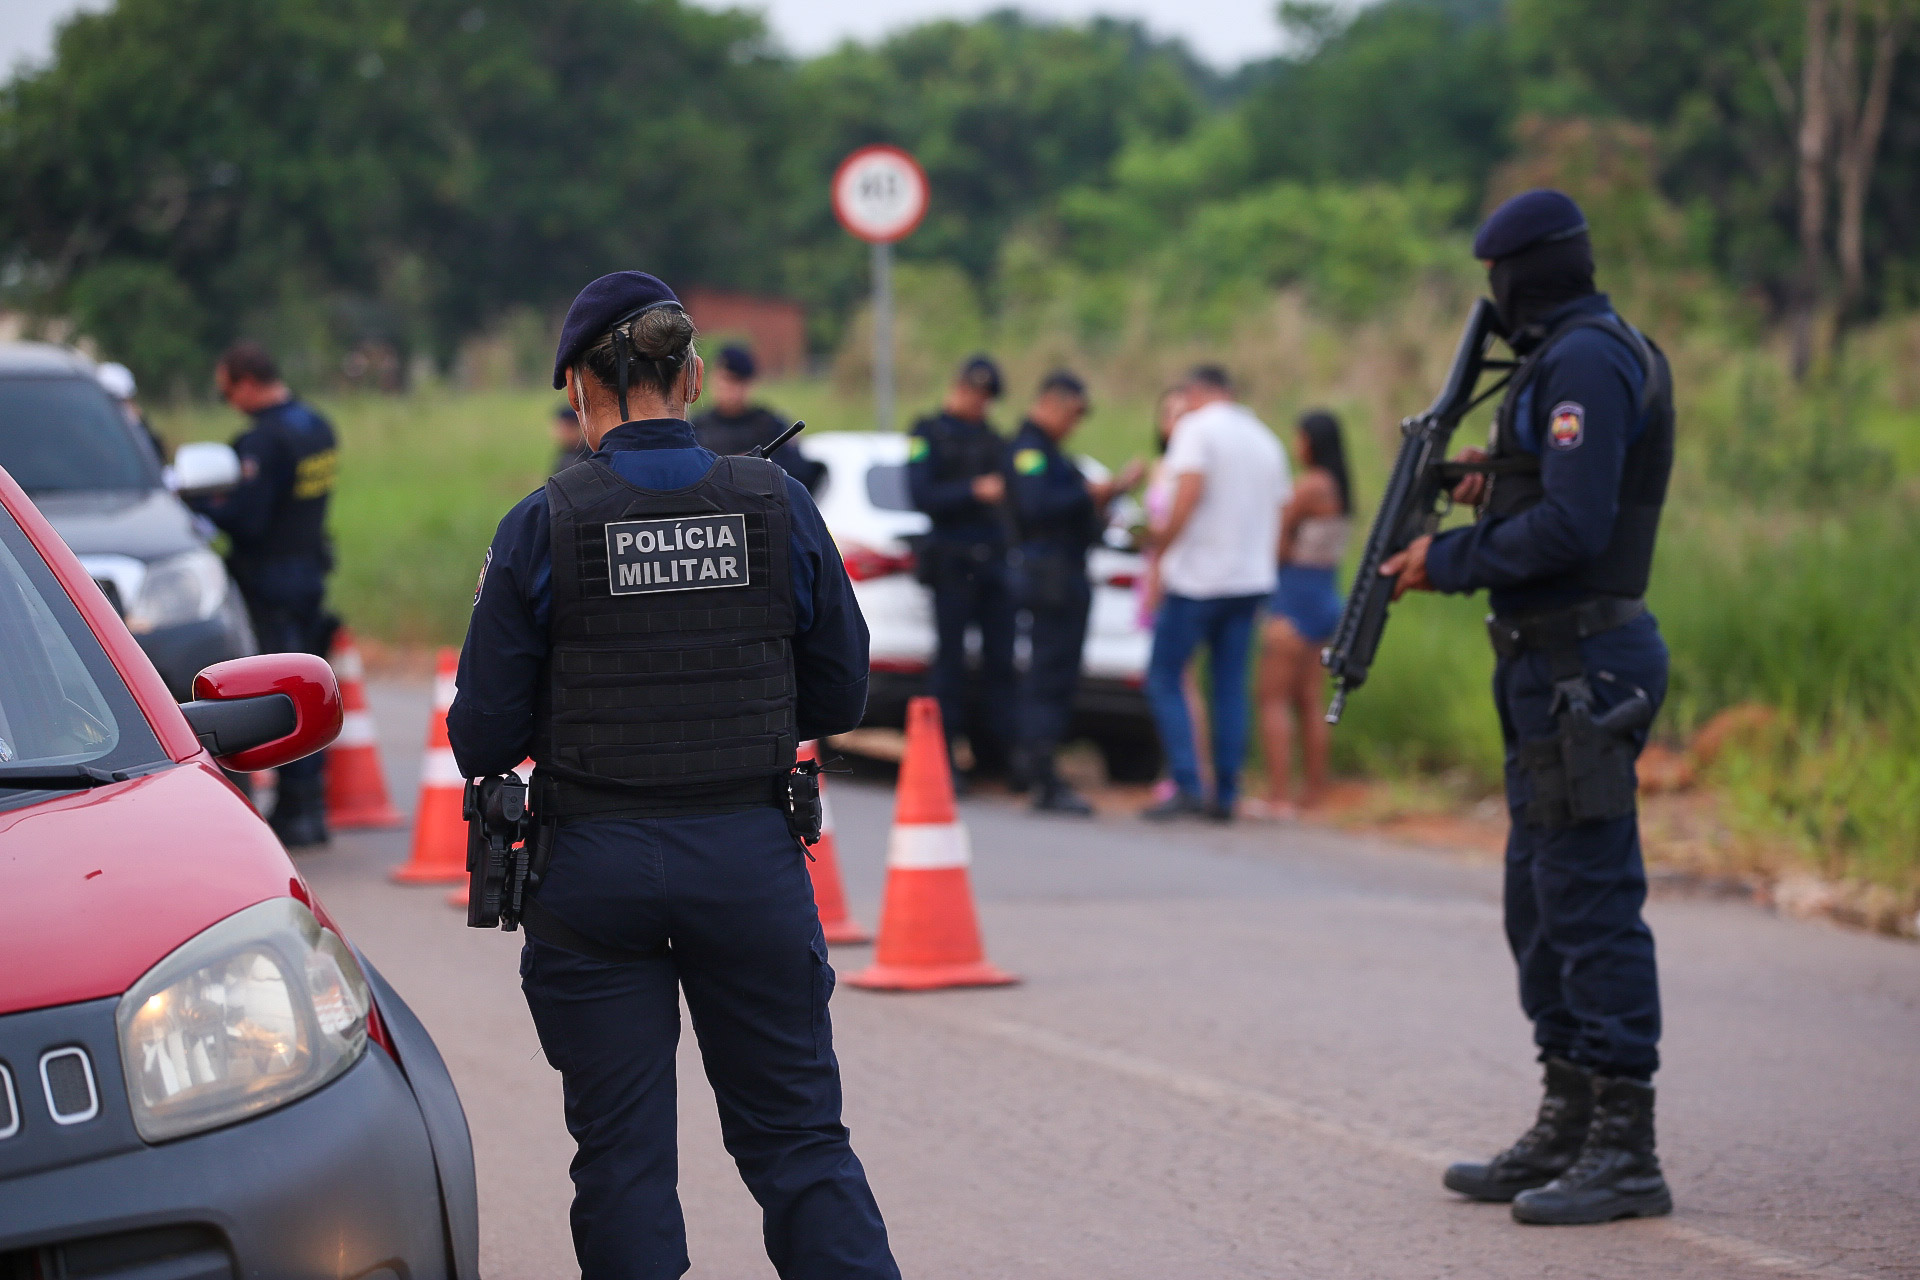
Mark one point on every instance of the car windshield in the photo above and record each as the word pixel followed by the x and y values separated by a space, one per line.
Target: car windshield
pixel 66 434
pixel 61 701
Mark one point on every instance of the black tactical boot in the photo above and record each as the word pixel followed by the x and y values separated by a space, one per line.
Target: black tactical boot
pixel 300 813
pixel 1544 1151
pixel 1617 1174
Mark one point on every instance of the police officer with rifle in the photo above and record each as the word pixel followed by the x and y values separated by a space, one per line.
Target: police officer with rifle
pixel 1569 496
pixel 659 627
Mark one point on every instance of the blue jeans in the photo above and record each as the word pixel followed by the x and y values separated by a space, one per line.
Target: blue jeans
pixel 1225 626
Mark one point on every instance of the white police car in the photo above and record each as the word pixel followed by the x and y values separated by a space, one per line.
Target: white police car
pixel 865 501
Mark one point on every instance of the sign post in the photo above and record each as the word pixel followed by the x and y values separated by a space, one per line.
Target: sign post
pixel 880 195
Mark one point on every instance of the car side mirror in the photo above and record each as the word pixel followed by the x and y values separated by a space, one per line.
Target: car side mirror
pixel 204 467
pixel 266 711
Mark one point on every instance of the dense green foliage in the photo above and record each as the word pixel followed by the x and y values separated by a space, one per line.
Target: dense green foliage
pixel 397 177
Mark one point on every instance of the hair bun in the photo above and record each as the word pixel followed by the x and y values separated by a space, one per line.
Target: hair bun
pixel 664 333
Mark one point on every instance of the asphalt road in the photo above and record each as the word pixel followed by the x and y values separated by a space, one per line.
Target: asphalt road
pixel 1236 1053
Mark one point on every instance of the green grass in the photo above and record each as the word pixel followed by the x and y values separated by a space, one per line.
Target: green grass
pixel 1770 587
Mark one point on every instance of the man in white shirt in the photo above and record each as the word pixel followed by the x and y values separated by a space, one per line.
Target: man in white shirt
pixel 1218 564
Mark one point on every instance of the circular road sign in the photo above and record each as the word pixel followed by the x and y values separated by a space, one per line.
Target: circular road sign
pixel 880 194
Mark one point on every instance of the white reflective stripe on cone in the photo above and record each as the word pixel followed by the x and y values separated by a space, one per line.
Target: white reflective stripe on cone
pixel 440 769
pixel 929 848
pixel 443 691
pixel 347 666
pixel 826 811
pixel 356 730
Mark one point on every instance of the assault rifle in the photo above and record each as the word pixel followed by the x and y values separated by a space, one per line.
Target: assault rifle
pixel 766 450
pixel 1418 496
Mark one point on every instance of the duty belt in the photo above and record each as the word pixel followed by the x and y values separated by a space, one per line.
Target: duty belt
pixel 1561 630
pixel 564 801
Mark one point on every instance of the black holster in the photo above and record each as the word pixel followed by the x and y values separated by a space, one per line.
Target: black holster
pixel 1584 772
pixel 805 813
pixel 498 853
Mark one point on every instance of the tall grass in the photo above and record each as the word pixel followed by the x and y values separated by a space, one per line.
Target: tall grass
pixel 1785 573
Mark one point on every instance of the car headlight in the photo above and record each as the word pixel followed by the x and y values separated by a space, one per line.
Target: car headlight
pixel 260 1009
pixel 187 587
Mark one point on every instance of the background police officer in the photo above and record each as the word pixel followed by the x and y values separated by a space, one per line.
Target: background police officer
pixel 276 521
pixel 957 474
pixel 1059 514
pixel 569 441
pixel 1569 506
pixel 735 424
pixel 662 704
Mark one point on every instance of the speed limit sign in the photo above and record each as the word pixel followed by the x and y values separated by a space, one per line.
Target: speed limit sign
pixel 880 194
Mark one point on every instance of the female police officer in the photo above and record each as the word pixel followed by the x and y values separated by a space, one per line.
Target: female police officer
pixel 657 627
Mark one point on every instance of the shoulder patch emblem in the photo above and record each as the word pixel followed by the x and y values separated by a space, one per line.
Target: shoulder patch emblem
pixel 1029 462
pixel 481 585
pixel 918 449
pixel 1567 425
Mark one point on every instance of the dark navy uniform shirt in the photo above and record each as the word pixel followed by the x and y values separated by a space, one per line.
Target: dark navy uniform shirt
pixel 944 457
pixel 276 515
pixel 1051 503
pixel 1579 414
pixel 504 660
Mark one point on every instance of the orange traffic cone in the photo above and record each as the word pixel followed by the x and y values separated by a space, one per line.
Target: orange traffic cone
pixel 439 829
pixel 929 936
pixel 828 893
pixel 356 788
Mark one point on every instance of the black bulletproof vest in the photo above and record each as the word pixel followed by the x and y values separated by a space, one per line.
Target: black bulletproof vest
pixel 1623 568
pixel 725 435
pixel 671 663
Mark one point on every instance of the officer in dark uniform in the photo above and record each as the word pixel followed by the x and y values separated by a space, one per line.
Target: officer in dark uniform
pixel 276 521
pixel 1569 499
pixel 735 424
pixel 957 474
pixel 658 628
pixel 569 441
pixel 1060 515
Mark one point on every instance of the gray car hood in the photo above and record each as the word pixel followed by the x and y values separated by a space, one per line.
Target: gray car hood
pixel 145 524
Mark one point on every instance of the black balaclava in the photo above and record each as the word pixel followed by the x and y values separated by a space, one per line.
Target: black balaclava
pixel 1537 281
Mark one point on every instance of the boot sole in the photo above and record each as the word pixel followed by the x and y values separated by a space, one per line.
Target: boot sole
pixel 1487 1195
pixel 1647 1206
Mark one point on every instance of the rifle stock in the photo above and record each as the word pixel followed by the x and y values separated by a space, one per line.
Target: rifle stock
pixel 1410 507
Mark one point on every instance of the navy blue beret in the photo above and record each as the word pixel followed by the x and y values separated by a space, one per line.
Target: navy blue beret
pixel 738 361
pixel 1526 220
pixel 600 306
pixel 982 374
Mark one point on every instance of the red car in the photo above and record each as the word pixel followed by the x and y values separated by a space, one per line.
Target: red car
pixel 199 1075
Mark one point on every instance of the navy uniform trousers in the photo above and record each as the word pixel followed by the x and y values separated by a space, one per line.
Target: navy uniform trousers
pixel 972 587
pixel 1574 894
pixel 1057 636
pixel 721 907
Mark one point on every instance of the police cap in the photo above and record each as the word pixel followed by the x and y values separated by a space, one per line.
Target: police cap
pixel 602 305
pixel 1065 383
pixel 738 361
pixel 982 374
pixel 1530 218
